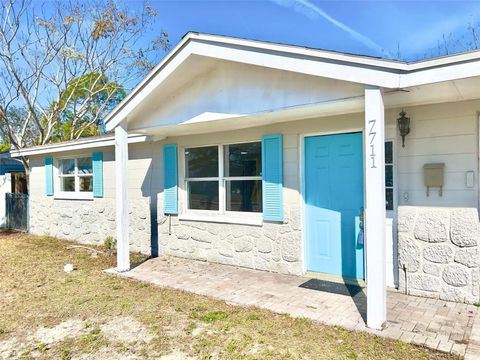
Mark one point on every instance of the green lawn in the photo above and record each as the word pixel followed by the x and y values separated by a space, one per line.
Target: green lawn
pixel 47 313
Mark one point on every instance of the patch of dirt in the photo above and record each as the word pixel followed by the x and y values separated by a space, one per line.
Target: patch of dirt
pixel 126 330
pixel 107 353
pixel 200 329
pixel 67 329
pixel 14 346
pixel 257 348
pixel 10 347
pixel 176 355
pixel 177 328
pixel 119 329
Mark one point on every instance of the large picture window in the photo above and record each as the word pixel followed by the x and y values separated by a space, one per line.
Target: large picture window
pixel 75 175
pixel 225 178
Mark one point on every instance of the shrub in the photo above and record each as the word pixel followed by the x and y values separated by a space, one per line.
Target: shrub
pixel 110 244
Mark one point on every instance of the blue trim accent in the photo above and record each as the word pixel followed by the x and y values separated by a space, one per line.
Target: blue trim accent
pixel 9 168
pixel 272 176
pixel 170 176
pixel 97 166
pixel 49 176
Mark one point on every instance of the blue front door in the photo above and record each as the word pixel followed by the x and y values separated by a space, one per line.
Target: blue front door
pixel 334 201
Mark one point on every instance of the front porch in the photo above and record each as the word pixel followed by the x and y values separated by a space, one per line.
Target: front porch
pixel 436 324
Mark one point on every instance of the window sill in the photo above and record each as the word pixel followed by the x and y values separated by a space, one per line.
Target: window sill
pixel 256 220
pixel 73 196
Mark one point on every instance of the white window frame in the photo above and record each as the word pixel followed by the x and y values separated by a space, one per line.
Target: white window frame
pixel 76 194
pixel 220 215
pixel 392 164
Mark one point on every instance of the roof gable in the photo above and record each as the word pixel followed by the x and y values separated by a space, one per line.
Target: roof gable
pixel 230 89
pixel 317 63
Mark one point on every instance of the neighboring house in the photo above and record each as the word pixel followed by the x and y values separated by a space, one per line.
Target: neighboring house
pixel 12 180
pixel 264 156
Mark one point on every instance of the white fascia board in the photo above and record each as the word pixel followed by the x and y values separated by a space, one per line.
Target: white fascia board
pixel 441 74
pixel 372 72
pixel 121 113
pixel 446 60
pixel 303 51
pixel 342 57
pixel 305 65
pixel 80 145
pixel 143 83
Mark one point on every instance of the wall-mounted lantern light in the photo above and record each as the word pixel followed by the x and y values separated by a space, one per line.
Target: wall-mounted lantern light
pixel 403 126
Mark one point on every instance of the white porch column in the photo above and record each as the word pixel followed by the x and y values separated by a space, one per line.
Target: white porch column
pixel 375 207
pixel 121 196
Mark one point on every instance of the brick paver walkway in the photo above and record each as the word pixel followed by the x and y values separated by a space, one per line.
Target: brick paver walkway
pixel 437 324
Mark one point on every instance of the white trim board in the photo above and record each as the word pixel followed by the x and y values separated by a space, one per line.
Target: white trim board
pixel 81 144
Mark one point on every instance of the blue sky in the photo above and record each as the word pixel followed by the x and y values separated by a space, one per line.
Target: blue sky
pixel 364 27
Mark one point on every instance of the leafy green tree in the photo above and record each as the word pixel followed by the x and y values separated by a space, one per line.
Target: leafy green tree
pixel 85 100
pixel 15 118
pixel 4 147
pixel 65 65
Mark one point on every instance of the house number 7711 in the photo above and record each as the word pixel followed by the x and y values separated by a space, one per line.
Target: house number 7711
pixel 371 136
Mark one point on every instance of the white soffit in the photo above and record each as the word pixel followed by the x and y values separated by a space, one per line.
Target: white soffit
pixel 225 123
pixel 217 122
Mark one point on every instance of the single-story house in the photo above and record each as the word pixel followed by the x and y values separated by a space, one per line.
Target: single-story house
pixel 284 159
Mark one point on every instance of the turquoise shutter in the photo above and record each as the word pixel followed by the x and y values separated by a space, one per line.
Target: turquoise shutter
pixel 97 165
pixel 272 176
pixel 170 188
pixel 49 176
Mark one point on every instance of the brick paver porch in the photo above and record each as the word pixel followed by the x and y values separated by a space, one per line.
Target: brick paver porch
pixel 437 324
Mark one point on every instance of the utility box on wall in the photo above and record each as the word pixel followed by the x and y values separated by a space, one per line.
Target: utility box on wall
pixel 433 175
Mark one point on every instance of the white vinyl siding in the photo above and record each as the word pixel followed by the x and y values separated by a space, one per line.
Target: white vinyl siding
pixel 442 133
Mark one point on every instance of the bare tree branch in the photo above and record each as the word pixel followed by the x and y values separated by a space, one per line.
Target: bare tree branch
pixel 63 67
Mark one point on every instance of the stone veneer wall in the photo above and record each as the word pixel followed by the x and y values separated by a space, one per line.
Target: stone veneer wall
pixel 270 247
pixel 440 249
pixel 89 222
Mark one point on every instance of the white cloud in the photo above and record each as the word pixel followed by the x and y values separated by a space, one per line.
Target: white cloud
pixel 313 12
